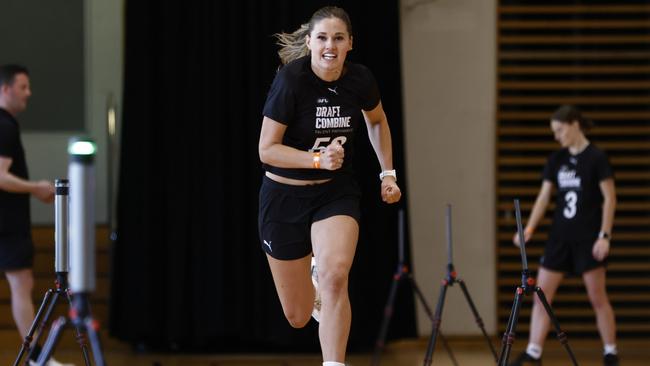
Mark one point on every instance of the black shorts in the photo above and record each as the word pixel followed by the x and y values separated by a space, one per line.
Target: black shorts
pixel 287 212
pixel 16 251
pixel 570 256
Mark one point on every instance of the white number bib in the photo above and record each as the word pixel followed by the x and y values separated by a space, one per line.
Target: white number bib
pixel 321 142
pixel 571 199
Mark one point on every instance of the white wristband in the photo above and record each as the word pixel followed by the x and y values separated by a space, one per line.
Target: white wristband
pixel 388 173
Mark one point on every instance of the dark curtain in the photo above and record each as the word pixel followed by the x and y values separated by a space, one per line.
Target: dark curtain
pixel 188 271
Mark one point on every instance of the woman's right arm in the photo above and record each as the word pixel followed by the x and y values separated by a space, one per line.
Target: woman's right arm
pixel 539 209
pixel 273 152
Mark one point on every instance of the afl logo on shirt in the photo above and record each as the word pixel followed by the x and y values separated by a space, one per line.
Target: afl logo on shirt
pixel 322 101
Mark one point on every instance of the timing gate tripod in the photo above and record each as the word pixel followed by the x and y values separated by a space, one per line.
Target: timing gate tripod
pixel 61 267
pixel 528 288
pixel 402 273
pixel 449 280
pixel 82 252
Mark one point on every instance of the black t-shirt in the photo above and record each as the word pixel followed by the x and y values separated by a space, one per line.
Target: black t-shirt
pixel 318 112
pixel 14 207
pixel 578 210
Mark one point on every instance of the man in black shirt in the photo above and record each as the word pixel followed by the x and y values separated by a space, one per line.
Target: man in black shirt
pixel 16 248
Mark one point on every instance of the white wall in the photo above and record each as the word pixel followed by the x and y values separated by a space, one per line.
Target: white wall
pixel 448 65
pixel 47 152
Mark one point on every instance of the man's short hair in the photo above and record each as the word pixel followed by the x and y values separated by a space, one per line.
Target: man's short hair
pixel 8 73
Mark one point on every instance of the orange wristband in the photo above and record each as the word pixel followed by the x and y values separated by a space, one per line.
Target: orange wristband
pixel 316 160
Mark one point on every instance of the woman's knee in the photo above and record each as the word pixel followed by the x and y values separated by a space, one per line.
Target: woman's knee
pixel 297 318
pixel 595 284
pixel 548 296
pixel 539 306
pixel 297 309
pixel 334 279
pixel 599 300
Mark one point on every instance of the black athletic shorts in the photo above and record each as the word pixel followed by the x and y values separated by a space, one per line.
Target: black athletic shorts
pixel 570 256
pixel 287 212
pixel 16 251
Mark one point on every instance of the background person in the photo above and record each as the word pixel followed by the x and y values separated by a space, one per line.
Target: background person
pixel 16 247
pixel 579 238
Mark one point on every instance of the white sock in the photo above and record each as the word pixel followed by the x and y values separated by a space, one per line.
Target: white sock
pixel 610 349
pixel 332 363
pixel 534 350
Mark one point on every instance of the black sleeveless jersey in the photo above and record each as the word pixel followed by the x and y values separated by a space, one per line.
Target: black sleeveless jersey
pixel 578 210
pixel 318 112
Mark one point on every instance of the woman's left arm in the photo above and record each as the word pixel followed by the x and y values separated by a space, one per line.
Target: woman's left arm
pixel 380 138
pixel 602 245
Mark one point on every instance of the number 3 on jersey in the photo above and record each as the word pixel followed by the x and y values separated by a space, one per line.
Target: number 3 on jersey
pixel 571 199
pixel 321 142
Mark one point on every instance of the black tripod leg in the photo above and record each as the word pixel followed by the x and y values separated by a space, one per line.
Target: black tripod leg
pixel 420 296
pixel 80 338
pixel 44 320
pixel 445 345
pixel 92 329
pixel 36 323
pixel 388 314
pixel 427 309
pixel 509 335
pixel 477 317
pixel 561 336
pixel 437 318
pixel 52 340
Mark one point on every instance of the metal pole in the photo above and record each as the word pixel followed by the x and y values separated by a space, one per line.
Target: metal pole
pixel 522 238
pixel 61 219
pixel 81 173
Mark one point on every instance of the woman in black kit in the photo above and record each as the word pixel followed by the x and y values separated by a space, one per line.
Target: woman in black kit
pixel 579 238
pixel 309 201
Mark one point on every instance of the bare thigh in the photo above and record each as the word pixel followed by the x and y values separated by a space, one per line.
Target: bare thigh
pixel 595 284
pixel 334 240
pixel 549 281
pixel 20 280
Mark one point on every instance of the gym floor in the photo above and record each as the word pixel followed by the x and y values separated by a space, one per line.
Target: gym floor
pixel 468 352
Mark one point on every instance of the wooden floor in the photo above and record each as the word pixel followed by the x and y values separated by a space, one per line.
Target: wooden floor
pixel 404 353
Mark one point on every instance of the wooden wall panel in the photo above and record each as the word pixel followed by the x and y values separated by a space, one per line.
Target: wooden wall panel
pixel 594 54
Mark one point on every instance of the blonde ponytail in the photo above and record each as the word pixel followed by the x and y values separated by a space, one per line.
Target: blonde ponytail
pixel 293 45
